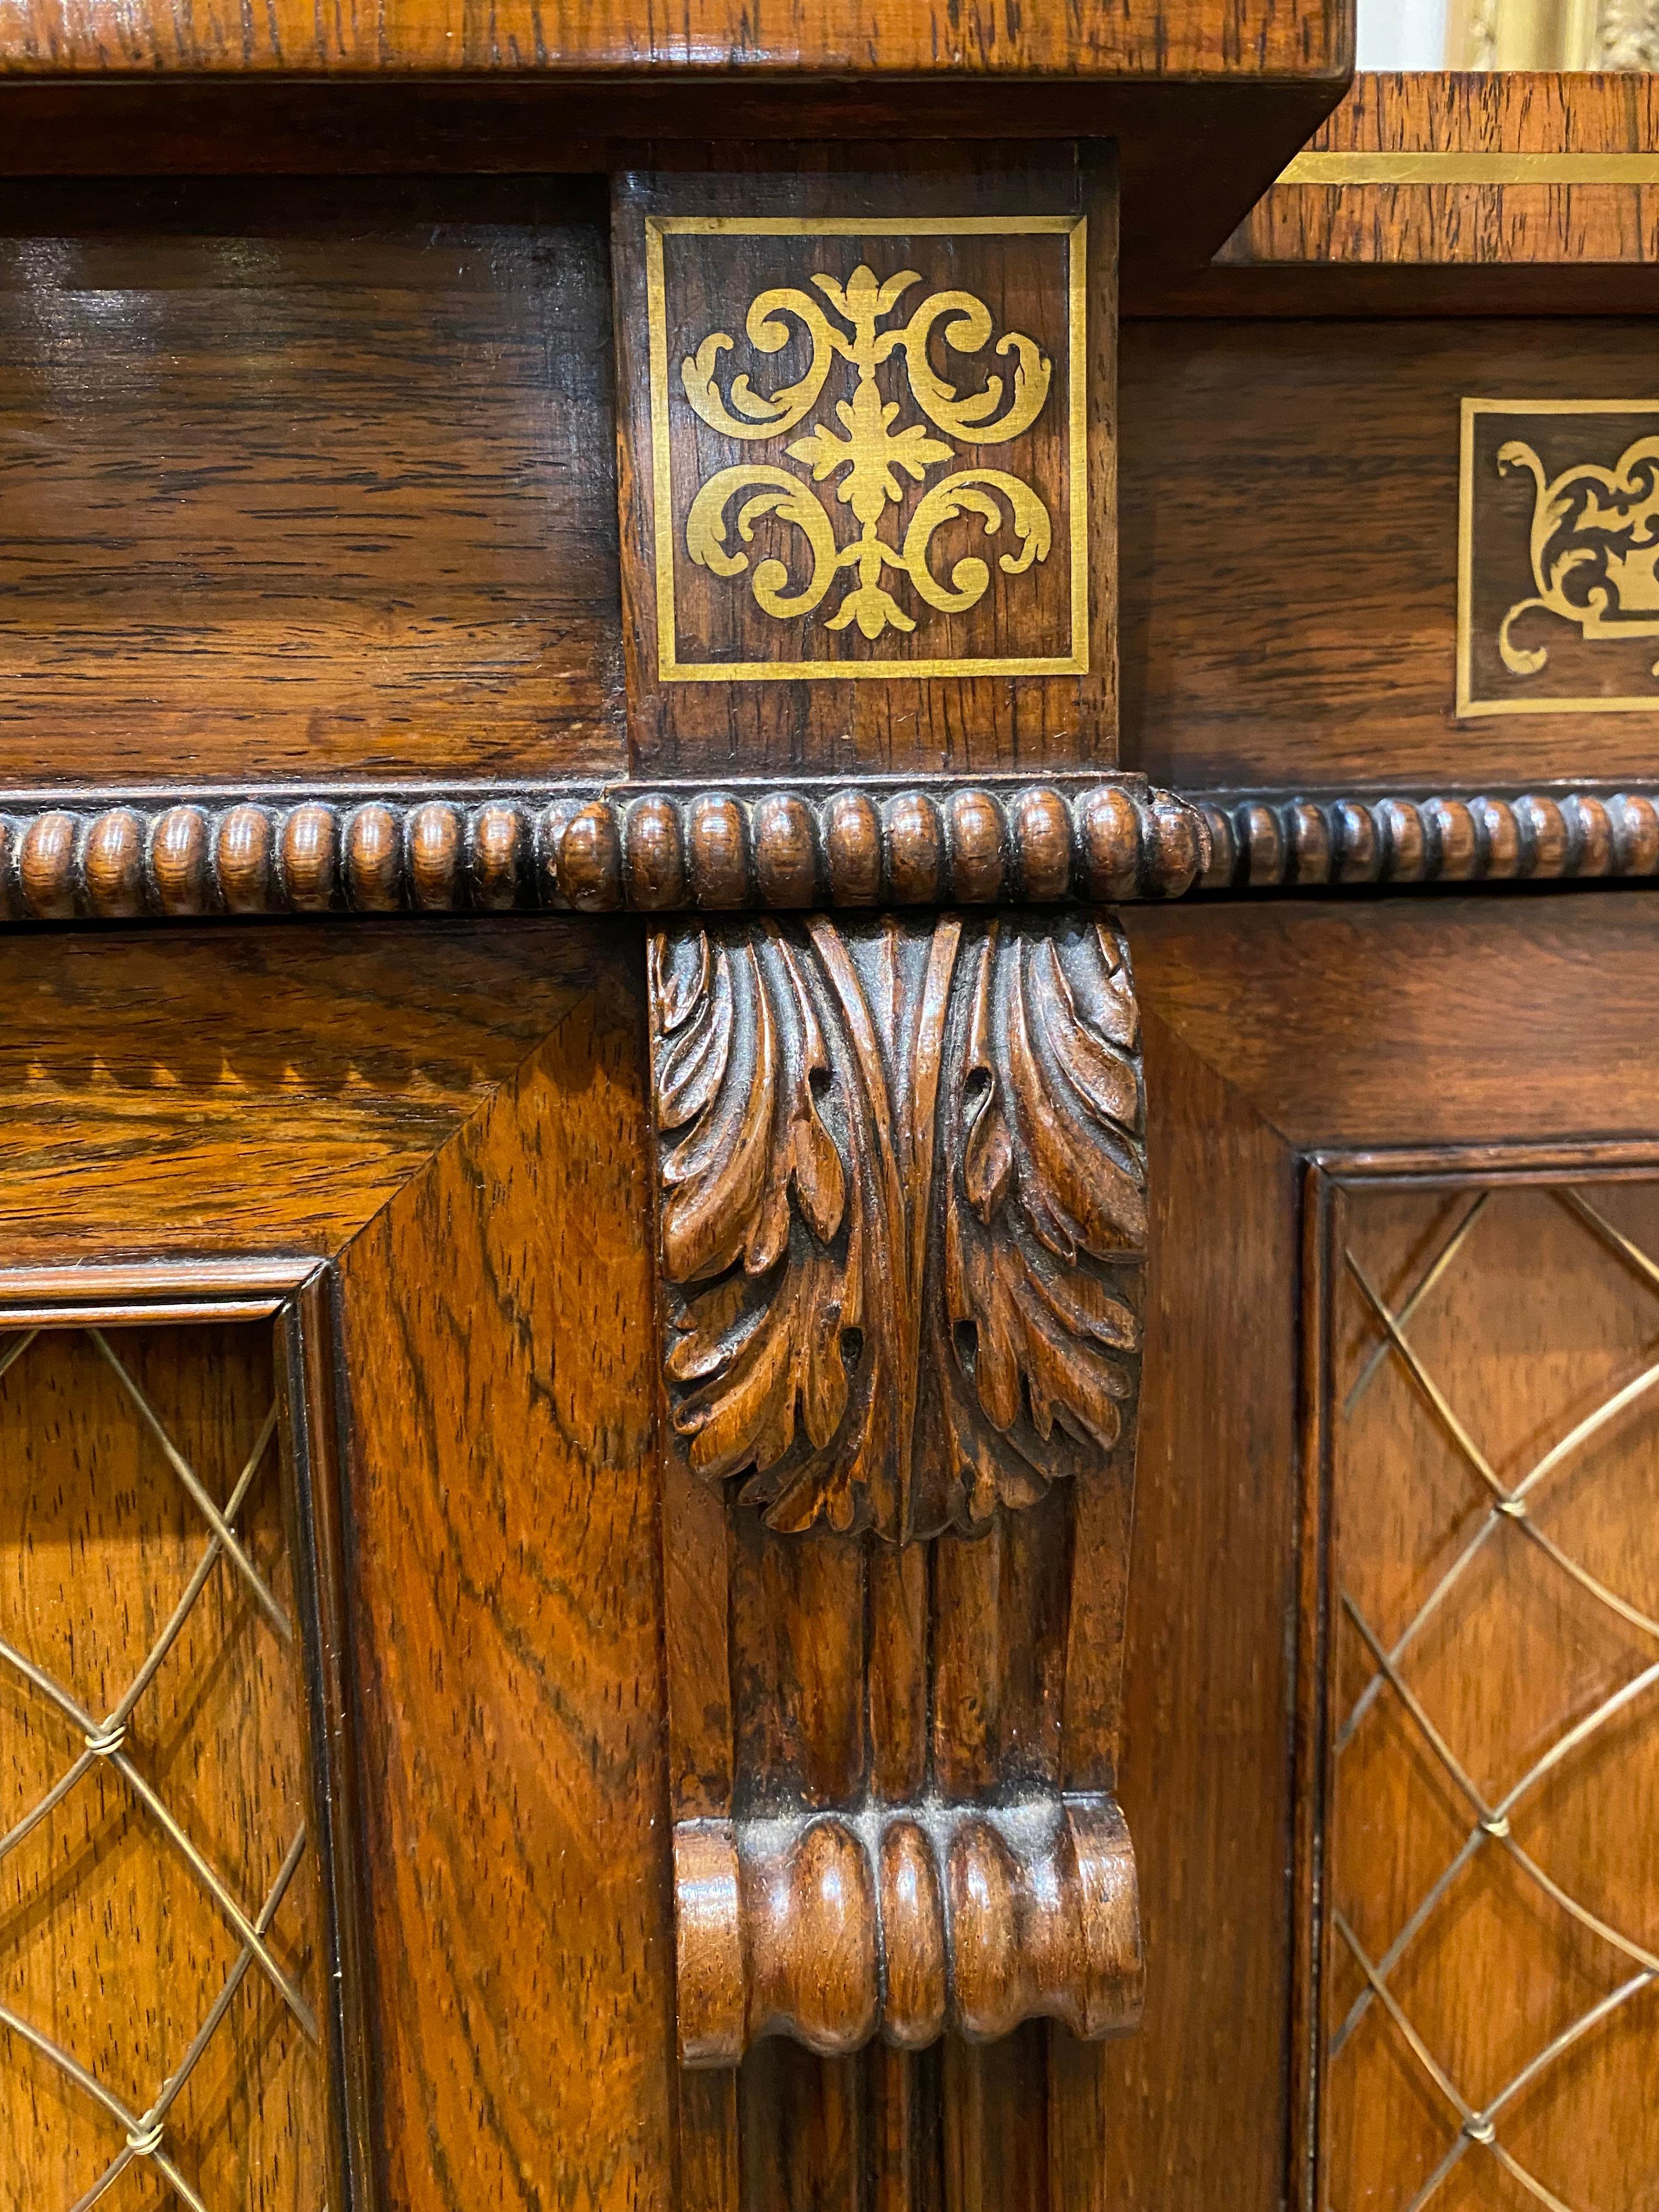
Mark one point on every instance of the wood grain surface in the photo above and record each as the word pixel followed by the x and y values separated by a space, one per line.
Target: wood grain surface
pixel 109 1942
pixel 1289 533
pixel 303 485
pixel 1396 1023
pixel 1196 2101
pixel 1459 224
pixel 236 1092
pixel 507 1591
pixel 1228 38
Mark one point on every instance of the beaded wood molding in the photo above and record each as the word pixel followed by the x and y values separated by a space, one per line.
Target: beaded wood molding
pixel 621 849
pixel 1272 842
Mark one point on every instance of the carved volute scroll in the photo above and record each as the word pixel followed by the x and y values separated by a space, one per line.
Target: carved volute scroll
pixel 903 1220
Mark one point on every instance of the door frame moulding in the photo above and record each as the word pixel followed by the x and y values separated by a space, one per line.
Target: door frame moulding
pixel 1326 1174
pixel 296 1292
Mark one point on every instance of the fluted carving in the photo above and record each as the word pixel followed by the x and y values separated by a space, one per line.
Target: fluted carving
pixel 905 1921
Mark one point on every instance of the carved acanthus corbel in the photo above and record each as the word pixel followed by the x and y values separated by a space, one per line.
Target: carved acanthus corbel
pixel 903 1220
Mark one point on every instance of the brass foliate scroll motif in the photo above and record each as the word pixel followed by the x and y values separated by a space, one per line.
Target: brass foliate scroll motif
pixel 903 1210
pixel 1558 594
pixel 869 456
pixel 1595 549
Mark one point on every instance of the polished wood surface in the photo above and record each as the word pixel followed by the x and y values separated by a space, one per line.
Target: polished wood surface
pixel 1290 535
pixel 1301 1003
pixel 1195 2102
pixel 236 1092
pixel 1441 237
pixel 112 1942
pixel 506 1595
pixel 912 38
pixel 1461 222
pixel 306 485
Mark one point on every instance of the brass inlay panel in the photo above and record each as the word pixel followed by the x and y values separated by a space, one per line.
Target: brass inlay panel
pixel 863 321
pixel 1472 168
pixel 1557 599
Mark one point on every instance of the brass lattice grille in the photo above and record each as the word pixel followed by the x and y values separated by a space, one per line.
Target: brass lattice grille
pixel 158 1908
pixel 1492 2028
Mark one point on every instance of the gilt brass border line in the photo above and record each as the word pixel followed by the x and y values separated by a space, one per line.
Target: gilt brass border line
pixel 1074 228
pixel 1467 707
pixel 1472 168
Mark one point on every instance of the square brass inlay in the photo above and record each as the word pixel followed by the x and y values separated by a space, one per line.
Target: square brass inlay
pixel 1557 572
pixel 868 447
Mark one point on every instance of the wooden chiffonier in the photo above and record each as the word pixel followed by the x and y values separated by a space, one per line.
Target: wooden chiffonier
pixel 828 1151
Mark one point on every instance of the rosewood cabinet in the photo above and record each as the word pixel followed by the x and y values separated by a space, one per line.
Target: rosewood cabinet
pixel 830 1212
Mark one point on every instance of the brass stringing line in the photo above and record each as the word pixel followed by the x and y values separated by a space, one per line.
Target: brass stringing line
pixel 187 1475
pixel 1437 1267
pixel 1493 1822
pixel 107 1743
pixel 149 2122
pixel 118 1758
pixel 14 1351
pixel 1616 1239
pixel 116 1720
pixel 1482 166
pixel 1510 1504
pixel 1553 1458
pixel 1479 2126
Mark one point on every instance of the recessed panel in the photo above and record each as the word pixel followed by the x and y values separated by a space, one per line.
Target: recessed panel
pixel 1490 1928
pixel 164 1978
pixel 305 483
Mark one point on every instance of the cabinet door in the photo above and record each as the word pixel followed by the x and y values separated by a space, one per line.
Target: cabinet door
pixel 331 1697
pixel 1392 1668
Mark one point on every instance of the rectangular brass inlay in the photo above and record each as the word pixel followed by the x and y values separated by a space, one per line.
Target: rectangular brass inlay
pixel 1558 569
pixel 824 521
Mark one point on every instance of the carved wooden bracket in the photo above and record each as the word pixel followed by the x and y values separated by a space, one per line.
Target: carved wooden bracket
pixel 903 1220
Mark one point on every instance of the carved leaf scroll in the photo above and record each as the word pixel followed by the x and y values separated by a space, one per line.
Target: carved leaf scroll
pixel 902 1211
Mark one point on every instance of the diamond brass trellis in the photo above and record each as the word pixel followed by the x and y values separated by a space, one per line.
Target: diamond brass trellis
pixel 143 2136
pixel 1510 1516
